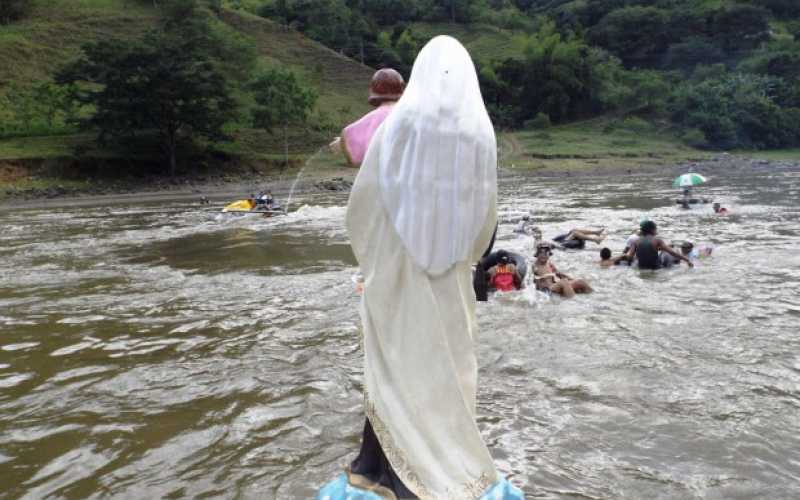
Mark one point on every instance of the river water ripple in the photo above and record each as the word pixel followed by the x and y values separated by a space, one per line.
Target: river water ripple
pixel 154 351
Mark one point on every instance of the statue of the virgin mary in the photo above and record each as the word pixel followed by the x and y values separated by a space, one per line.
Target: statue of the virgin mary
pixel 422 209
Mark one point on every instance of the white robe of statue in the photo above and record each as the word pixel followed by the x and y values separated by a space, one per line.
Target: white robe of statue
pixel 421 211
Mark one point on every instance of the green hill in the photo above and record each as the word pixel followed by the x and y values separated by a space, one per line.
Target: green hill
pixel 34 47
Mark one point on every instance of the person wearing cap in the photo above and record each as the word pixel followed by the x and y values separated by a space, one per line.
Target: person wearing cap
pixel 649 248
pixel 549 279
pixel 385 90
pixel 504 276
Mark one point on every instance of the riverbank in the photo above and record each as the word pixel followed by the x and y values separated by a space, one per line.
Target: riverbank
pixel 324 176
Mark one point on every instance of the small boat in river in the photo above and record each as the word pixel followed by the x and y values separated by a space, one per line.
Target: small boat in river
pixel 249 207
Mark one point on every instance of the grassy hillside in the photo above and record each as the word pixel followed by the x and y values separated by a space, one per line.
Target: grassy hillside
pixel 601 143
pixel 33 48
pixel 484 42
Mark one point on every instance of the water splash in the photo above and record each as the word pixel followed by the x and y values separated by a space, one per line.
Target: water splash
pixel 308 162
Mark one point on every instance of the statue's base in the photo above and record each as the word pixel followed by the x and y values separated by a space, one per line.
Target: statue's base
pixel 342 488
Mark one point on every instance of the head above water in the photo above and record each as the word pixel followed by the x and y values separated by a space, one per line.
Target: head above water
pixel 605 253
pixel 502 257
pixel 687 247
pixel 543 251
pixel 387 85
pixel 716 207
pixel 648 228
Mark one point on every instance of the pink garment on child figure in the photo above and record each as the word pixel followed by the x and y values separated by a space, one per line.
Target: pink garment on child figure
pixel 356 136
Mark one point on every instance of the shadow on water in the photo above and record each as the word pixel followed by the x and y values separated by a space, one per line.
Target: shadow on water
pixel 240 249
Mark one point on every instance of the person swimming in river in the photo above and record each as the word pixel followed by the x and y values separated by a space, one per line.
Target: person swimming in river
pixel 606 259
pixel 549 279
pixel 577 238
pixel 504 276
pixel 650 251
pixel 719 209
pixel 527 226
pixel 385 90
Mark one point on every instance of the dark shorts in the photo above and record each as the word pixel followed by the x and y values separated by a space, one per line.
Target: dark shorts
pixel 573 244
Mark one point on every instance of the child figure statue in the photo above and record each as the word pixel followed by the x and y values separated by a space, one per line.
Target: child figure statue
pixel 384 91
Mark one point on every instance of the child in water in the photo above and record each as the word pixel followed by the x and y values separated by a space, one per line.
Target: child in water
pixel 385 90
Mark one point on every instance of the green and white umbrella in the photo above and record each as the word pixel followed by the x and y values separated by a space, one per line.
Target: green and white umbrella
pixel 688 180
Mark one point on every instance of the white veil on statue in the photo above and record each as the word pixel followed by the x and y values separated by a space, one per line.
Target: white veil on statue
pixel 421 211
pixel 438 158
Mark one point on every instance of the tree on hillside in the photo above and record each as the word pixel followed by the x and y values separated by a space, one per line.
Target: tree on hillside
pixel 455 11
pixel 637 35
pixel 12 10
pixel 741 27
pixel 785 8
pixel 739 111
pixel 170 84
pixel 282 102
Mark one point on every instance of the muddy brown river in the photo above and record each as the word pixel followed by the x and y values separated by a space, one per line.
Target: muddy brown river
pixel 163 351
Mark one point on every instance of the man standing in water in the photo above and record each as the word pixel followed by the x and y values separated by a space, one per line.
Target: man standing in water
pixel 385 89
pixel 422 209
pixel 647 249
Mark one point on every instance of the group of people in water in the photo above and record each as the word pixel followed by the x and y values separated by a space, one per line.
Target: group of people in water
pixel 504 271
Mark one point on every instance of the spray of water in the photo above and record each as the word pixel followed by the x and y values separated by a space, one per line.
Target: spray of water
pixel 308 162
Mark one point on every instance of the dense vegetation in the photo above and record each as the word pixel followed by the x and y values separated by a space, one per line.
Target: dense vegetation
pixel 724 72
pixel 12 10
pixel 176 76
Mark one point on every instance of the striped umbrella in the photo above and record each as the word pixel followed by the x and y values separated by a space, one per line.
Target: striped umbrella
pixel 688 180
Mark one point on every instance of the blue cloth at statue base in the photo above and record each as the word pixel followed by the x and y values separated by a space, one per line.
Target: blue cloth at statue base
pixel 341 489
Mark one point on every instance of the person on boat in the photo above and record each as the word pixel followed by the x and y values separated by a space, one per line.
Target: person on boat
pixel 504 276
pixel 606 260
pixel 269 200
pixel 421 210
pixel 577 238
pixel 385 89
pixel 260 200
pixel 549 279
pixel 649 249
pixel 719 209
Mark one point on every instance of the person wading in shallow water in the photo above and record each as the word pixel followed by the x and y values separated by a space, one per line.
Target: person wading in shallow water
pixel 648 247
pixel 422 209
pixel 385 89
